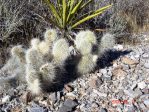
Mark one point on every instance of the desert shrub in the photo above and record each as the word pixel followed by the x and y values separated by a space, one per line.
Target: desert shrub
pixel 125 17
pixel 128 17
pixel 19 20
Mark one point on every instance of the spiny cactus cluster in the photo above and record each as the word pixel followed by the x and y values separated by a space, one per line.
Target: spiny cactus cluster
pixel 14 68
pixel 46 60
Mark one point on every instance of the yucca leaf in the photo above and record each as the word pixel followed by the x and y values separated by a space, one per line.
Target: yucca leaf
pixel 59 7
pixel 75 9
pixel 70 8
pixel 83 16
pixel 71 5
pixel 59 2
pixel 68 3
pixel 85 4
pixel 64 12
pixel 90 13
pixel 54 11
pixel 103 8
pixel 90 16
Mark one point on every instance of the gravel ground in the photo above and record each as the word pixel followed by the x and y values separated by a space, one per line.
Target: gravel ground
pixel 121 85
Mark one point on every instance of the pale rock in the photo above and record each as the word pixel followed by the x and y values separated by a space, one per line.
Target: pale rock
pixel 145 56
pixel 71 95
pixel 137 56
pixel 142 85
pixel 146 65
pixel 6 99
pixel 103 71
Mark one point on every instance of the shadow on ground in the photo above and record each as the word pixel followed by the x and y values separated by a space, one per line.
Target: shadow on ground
pixel 70 75
pixel 109 56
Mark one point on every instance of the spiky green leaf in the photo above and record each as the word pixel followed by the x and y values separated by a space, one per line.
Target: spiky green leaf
pixel 70 9
pixel 64 12
pixel 103 8
pixel 54 11
pixel 91 16
pixel 85 4
pixel 75 9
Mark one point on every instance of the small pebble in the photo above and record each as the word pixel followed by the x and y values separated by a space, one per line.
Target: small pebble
pixel 6 99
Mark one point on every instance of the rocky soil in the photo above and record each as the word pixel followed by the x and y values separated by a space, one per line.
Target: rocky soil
pixel 121 85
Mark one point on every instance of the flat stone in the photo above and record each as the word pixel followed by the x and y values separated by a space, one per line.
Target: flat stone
pixel 35 108
pixel 129 61
pixel 65 109
pixel 68 106
pixel 141 85
pixel 70 103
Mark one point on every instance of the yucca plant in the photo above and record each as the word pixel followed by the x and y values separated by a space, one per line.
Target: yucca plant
pixel 65 13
